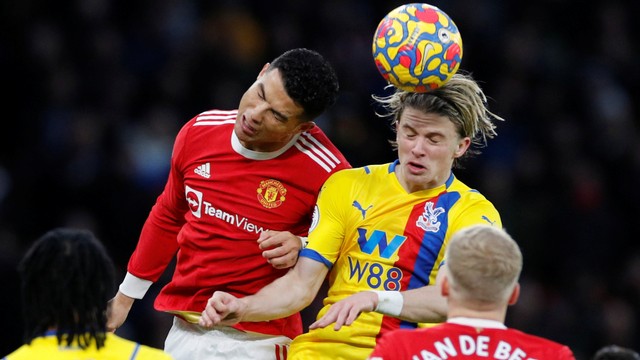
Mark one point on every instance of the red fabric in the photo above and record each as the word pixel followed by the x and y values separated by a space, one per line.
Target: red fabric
pixel 454 341
pixel 213 223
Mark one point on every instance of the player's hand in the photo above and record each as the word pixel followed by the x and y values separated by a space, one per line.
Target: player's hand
pixel 346 311
pixel 280 248
pixel 117 310
pixel 222 309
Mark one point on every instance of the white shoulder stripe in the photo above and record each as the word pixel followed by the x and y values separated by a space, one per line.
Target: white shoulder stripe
pixel 313 157
pixel 314 149
pixel 321 147
pixel 216 117
pixel 317 151
pixel 220 112
pixel 213 122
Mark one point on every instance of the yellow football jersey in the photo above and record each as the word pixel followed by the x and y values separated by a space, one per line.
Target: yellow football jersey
pixel 116 348
pixel 373 235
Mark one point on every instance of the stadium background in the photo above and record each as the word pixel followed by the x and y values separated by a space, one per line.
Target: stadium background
pixel 95 90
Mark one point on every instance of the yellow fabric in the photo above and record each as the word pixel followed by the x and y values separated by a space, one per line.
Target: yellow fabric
pixel 376 236
pixel 116 348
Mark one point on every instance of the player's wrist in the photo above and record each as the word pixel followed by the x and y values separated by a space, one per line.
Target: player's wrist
pixel 134 287
pixel 389 302
pixel 244 310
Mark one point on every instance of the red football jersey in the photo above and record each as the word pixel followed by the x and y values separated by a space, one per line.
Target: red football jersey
pixel 219 197
pixel 464 338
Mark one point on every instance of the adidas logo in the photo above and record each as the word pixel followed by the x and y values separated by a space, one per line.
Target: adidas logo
pixel 203 170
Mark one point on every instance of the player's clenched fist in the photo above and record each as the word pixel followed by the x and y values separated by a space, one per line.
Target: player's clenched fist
pixel 222 309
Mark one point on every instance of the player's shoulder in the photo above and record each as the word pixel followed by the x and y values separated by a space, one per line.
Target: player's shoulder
pixel 467 195
pixel 214 116
pixel 459 186
pixel 315 148
pixel 207 123
pixel 20 353
pixel 213 119
pixel 116 344
pixel 553 349
pixel 317 136
pixel 361 174
pixel 212 126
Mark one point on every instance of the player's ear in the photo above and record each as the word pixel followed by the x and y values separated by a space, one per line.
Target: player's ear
pixel 306 126
pixel 444 286
pixel 264 70
pixel 463 145
pixel 515 294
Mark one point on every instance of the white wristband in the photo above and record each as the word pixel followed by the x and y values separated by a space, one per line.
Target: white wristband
pixel 389 302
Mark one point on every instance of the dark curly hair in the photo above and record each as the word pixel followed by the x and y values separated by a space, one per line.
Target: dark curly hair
pixel 67 281
pixel 309 79
pixel 615 352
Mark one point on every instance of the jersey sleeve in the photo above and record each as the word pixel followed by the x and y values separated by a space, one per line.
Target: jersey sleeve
pixel 158 241
pixel 328 226
pixel 476 210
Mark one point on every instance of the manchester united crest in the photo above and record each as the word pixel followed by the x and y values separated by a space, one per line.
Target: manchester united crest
pixel 271 193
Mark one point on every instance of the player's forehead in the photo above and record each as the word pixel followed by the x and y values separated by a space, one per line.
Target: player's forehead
pixel 271 87
pixel 421 121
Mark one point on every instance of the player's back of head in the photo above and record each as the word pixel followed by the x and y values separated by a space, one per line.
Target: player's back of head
pixel 483 263
pixel 615 352
pixel 67 280
pixel 309 80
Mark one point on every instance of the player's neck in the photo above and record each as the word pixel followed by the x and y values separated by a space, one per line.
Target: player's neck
pixel 487 314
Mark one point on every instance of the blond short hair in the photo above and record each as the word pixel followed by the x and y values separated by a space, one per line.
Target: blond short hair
pixel 483 263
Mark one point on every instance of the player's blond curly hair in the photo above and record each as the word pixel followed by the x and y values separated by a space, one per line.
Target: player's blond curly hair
pixel 460 99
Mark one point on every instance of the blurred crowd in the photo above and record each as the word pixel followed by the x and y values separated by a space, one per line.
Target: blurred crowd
pixel 95 91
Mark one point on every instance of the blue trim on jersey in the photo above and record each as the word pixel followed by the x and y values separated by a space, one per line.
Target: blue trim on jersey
pixel 50 333
pixel 135 351
pixel 314 255
pixel 449 181
pixel 432 244
pixel 407 325
pixel 392 166
pixel 367 170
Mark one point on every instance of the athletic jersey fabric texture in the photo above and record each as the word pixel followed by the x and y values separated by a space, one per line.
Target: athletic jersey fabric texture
pixel 218 198
pixel 465 338
pixel 373 235
pixel 115 348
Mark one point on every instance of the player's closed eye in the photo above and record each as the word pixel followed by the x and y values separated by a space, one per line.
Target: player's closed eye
pixel 278 116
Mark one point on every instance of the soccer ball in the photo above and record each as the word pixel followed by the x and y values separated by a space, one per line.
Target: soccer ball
pixel 417 47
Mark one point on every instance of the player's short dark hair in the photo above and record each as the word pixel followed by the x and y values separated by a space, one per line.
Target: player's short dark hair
pixel 309 80
pixel 615 352
pixel 67 281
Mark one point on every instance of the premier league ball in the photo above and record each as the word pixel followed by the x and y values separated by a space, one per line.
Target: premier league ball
pixel 417 47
